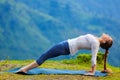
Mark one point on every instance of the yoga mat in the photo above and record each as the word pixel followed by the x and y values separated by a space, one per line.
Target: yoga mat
pixel 37 71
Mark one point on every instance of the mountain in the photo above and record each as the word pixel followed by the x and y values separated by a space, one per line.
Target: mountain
pixel 30 27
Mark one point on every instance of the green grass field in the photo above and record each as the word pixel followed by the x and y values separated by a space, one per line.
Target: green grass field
pixel 9 64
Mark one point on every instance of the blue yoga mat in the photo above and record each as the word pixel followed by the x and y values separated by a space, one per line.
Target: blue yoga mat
pixel 37 71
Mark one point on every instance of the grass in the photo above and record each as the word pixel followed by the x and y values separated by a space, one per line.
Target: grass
pixel 9 64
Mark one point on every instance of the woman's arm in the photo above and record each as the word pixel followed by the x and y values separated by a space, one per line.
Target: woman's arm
pixel 93 60
pixel 94 51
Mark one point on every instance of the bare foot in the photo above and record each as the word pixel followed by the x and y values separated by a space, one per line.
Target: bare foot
pixel 21 71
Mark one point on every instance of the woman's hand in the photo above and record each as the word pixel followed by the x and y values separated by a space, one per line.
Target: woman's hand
pixel 89 73
pixel 92 72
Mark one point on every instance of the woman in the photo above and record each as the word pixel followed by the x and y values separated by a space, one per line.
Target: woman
pixel 71 46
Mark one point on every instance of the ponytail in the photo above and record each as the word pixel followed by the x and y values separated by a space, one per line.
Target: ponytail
pixel 105 58
pixel 106 45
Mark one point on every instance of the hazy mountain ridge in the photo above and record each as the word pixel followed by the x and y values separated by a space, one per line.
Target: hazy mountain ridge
pixel 31 27
pixel 16 36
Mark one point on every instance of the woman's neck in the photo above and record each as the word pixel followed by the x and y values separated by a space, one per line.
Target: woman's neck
pixel 99 39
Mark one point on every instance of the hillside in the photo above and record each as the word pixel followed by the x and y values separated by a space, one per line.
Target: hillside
pixel 29 27
pixel 10 64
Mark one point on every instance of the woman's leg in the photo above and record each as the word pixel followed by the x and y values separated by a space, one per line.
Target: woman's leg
pixel 28 67
pixel 57 50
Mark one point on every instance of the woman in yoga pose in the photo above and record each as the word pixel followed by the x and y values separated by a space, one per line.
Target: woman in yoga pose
pixel 71 46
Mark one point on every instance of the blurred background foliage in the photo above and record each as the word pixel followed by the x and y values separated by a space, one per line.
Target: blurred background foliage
pixel 30 27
